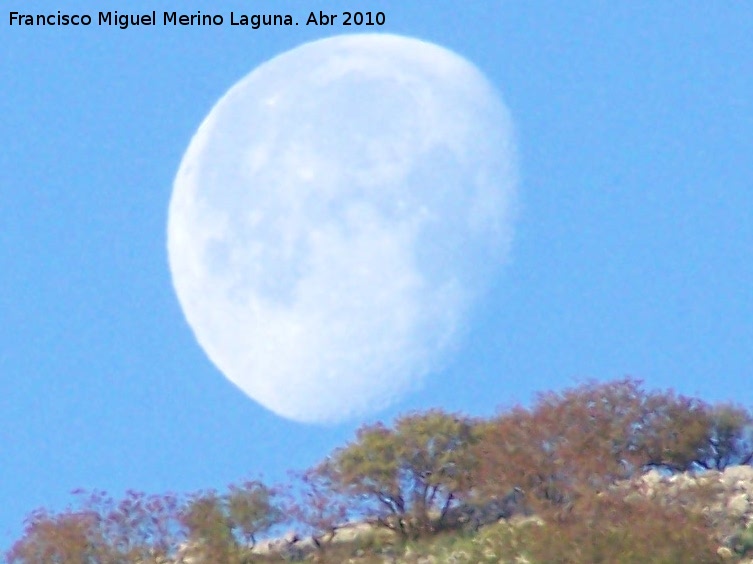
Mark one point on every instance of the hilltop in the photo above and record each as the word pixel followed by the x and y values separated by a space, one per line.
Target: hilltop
pixel 604 472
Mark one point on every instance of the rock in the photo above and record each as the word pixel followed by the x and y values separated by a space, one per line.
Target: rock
pixel 526 520
pixel 710 478
pixel 738 474
pixel 738 505
pixel 724 553
pixel 652 477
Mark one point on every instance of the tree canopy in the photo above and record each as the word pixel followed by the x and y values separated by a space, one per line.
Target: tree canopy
pixel 429 472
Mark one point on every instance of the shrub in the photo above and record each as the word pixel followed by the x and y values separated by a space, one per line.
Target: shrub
pixel 405 478
pixel 742 543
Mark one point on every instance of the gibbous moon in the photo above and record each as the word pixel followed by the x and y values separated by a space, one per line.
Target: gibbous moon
pixel 335 218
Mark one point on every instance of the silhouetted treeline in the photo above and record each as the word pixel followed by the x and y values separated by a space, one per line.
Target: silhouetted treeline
pixel 435 473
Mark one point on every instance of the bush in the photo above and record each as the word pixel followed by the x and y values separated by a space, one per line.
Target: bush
pixel 742 543
pixel 406 478
pixel 435 479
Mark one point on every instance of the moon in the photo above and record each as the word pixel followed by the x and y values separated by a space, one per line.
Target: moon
pixel 335 219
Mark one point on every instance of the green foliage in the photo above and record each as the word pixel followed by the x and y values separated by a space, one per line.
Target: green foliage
pixel 407 477
pixel 209 527
pixel 251 510
pixel 570 463
pixel 141 528
pixel 742 543
pixel 216 523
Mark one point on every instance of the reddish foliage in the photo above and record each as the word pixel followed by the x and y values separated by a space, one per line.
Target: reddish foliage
pixel 609 528
pixel 565 454
pixel 588 437
pixel 318 506
pixel 101 529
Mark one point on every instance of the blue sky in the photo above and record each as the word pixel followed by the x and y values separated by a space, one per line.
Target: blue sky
pixel 632 252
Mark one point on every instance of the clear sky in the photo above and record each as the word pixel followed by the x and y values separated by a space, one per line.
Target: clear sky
pixel 632 250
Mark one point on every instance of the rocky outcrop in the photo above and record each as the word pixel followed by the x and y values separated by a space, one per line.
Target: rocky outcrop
pixel 726 497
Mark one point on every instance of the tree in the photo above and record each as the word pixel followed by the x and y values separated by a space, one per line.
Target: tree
pixel 569 458
pixel 318 505
pixel 584 438
pixel 209 529
pixel 437 461
pixel 136 528
pixel 731 437
pixel 59 539
pixel 252 510
pixel 677 432
pixel 588 437
pixel 407 477
pixel 143 528
pixel 219 526
pixel 685 433
pixel 591 433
